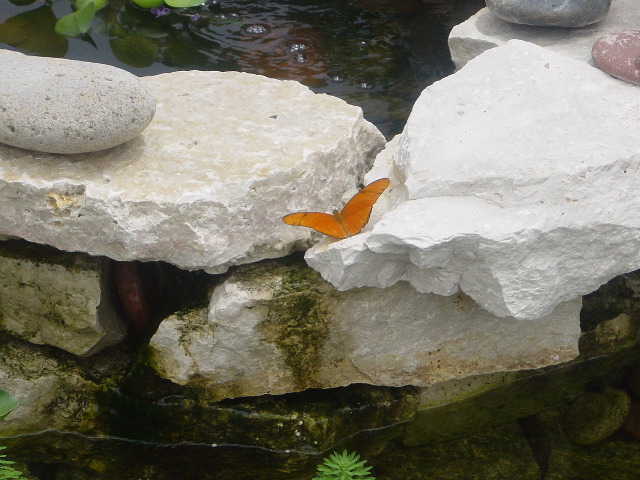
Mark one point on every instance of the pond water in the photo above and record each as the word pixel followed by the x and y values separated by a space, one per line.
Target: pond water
pixel 377 54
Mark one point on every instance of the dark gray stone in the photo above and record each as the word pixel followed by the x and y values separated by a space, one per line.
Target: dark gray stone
pixel 550 13
pixel 618 54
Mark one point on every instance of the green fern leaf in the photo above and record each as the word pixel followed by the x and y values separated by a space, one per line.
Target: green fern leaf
pixel 343 466
pixel 7 472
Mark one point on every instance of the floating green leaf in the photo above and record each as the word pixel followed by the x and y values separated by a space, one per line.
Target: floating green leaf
pixel 148 3
pixel 79 4
pixel 78 22
pixel 183 3
pixel 7 403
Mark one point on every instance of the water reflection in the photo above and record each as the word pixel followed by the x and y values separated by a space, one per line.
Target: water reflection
pixel 378 54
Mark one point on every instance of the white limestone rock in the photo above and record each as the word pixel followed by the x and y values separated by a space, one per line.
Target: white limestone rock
pixel 272 329
pixel 484 31
pixel 64 300
pixel 66 106
pixel 514 181
pixel 206 184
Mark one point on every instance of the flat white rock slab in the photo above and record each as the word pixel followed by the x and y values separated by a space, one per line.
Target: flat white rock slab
pixel 515 180
pixel 254 341
pixel 207 182
pixel 484 31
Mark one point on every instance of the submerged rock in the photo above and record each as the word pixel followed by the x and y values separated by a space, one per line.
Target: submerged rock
pixel 206 184
pixel 618 54
pixel 519 226
pixel 61 299
pixel 66 106
pixel 272 329
pixel 614 459
pixel 566 13
pixel 595 416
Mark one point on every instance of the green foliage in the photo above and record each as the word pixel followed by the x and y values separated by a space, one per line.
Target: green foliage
pixel 7 472
pixel 344 466
pixel 183 3
pixel 79 22
pixel 148 3
pixel 7 403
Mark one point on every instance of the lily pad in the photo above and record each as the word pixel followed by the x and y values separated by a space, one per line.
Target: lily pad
pixel 148 3
pixel 78 22
pixel 183 3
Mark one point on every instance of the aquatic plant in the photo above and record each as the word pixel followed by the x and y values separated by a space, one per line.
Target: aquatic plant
pixel 79 22
pixel 344 466
pixel 7 472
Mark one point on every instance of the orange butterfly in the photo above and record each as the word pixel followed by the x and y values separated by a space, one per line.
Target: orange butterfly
pixel 346 222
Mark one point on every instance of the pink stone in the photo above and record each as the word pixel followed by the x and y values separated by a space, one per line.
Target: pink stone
pixel 618 54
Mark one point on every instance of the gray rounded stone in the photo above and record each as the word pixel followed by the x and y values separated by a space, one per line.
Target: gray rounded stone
pixel 618 54
pixel 65 106
pixel 550 13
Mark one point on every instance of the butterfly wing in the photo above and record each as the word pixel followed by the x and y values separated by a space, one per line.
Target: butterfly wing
pixel 357 211
pixel 321 222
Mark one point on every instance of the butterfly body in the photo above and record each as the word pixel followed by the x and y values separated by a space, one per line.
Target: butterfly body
pixel 346 222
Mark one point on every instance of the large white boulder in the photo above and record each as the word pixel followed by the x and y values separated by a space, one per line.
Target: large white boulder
pixel 515 180
pixel 272 329
pixel 484 31
pixel 208 181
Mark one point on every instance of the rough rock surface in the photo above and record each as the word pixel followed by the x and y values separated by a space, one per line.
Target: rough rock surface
pixel 504 189
pixel 64 300
pixel 565 13
pixel 272 329
pixel 484 31
pixel 205 185
pixel 618 54
pixel 67 106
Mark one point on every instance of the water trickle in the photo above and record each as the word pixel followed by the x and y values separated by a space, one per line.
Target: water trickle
pixel 256 29
pixel 296 47
pixel 300 58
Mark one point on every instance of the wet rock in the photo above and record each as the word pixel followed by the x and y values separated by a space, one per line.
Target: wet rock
pixel 595 416
pixel 61 299
pixel 613 459
pixel 66 106
pixel 519 227
pixel 495 453
pixel 52 390
pixel 568 13
pixel 633 380
pixel 273 328
pixel 484 30
pixel 618 54
pixel 631 425
pixel 206 184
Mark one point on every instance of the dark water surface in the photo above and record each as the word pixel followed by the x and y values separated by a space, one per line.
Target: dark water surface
pixel 377 54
